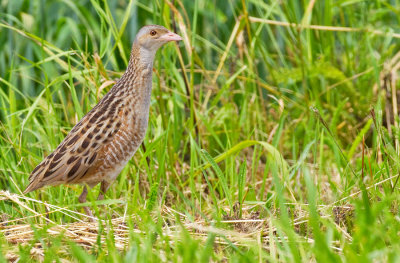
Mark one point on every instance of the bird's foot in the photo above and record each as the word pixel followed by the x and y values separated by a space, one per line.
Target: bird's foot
pixel 90 215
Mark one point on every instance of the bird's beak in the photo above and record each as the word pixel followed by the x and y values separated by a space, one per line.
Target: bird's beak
pixel 171 37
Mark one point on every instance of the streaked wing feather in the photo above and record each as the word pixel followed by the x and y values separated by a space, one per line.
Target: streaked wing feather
pixel 77 152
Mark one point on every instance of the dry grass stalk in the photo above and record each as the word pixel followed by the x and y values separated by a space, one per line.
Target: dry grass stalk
pixel 247 231
pixel 322 28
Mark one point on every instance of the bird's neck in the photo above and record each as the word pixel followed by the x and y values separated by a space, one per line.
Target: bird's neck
pixel 146 57
pixel 137 77
pixel 141 58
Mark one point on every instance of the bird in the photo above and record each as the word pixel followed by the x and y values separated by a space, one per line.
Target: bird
pixel 99 146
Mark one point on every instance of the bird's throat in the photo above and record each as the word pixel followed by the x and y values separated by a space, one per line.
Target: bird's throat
pixel 146 57
pixel 139 71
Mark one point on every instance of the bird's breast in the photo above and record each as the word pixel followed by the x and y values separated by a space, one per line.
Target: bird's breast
pixel 124 143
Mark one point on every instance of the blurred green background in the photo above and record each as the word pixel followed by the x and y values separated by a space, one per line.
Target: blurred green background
pixel 273 132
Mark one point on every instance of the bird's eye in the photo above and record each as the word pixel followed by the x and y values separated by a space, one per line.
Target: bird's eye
pixel 153 33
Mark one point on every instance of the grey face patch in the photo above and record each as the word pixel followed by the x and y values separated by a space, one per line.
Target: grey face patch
pixel 150 42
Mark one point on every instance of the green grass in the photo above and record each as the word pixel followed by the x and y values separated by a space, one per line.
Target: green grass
pixel 266 142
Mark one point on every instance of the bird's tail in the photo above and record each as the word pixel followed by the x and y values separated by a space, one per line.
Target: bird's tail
pixel 32 186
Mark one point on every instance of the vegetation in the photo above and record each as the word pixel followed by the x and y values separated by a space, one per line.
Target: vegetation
pixel 273 132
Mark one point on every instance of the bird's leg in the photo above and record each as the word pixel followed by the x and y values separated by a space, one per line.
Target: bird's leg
pixel 82 199
pixel 103 189
pixel 45 207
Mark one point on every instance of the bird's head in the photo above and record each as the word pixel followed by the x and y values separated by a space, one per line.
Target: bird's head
pixel 152 37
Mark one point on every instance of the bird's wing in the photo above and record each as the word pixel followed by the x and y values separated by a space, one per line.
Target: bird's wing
pixel 78 151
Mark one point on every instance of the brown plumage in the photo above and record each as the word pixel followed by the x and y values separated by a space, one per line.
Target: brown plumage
pixel 99 146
